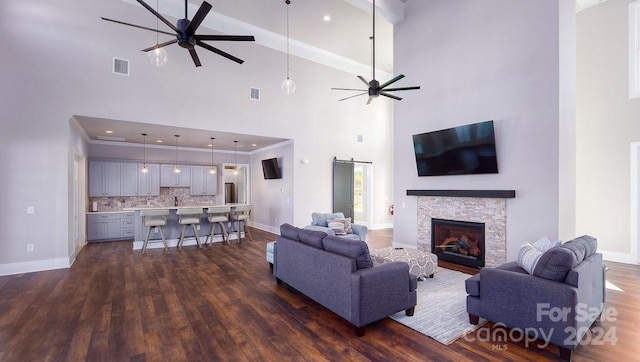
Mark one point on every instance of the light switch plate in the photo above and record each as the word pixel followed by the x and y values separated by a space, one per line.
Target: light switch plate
pixel 31 210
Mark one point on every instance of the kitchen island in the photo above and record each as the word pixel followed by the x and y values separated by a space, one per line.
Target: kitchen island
pixel 173 229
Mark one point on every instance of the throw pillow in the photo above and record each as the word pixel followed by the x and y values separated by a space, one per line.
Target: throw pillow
pixel 528 257
pixel 337 227
pixel 346 222
pixel 545 244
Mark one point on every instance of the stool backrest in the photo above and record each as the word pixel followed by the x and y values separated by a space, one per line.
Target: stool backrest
pixel 242 209
pixel 190 211
pixel 154 212
pixel 219 210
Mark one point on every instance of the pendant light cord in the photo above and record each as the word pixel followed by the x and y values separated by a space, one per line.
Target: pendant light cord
pixel 157 8
pixel 374 40
pixel 288 2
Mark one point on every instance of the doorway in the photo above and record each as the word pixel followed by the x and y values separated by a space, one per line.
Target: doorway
pixel 352 190
pixel 236 184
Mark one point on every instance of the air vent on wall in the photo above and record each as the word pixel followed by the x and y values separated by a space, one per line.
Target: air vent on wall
pixel 121 66
pixel 254 94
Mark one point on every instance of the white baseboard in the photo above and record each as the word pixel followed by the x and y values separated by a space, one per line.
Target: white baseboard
pixel 35 266
pixel 381 226
pixel 267 228
pixel 624 258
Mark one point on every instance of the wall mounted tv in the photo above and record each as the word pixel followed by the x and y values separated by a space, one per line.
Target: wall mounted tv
pixel 469 149
pixel 270 169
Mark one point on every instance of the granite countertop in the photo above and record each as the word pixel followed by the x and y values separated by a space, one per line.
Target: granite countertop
pixel 108 212
pixel 136 208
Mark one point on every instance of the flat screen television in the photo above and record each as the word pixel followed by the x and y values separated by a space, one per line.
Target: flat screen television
pixel 270 169
pixel 469 149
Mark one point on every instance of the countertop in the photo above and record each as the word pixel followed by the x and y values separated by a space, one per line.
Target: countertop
pixel 108 212
pixel 138 208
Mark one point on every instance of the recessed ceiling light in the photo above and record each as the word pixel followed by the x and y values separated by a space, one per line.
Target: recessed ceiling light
pixel 327 17
pixel 254 145
pixel 109 132
pixel 159 141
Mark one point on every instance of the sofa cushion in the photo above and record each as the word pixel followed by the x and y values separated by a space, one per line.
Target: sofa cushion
pixel 528 257
pixel 555 263
pixel 355 249
pixel 583 247
pixel 290 232
pixel 312 237
pixel 320 219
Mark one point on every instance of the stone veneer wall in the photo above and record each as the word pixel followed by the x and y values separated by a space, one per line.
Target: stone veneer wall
pixel 492 212
pixel 166 198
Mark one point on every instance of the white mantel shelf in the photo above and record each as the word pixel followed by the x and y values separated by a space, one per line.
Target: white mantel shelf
pixel 493 194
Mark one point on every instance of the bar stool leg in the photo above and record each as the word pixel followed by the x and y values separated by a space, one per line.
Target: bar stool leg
pixel 181 237
pixel 195 233
pixel 164 240
pixel 246 228
pixel 225 233
pixel 146 240
pixel 210 236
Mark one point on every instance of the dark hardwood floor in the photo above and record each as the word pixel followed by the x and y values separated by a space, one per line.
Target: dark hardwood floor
pixel 222 304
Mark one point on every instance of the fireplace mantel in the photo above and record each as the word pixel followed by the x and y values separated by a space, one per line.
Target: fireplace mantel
pixel 493 194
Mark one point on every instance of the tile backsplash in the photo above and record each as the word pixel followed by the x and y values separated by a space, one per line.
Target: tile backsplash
pixel 166 198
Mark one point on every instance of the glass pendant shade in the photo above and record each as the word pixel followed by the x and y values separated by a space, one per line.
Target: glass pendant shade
pixel 158 57
pixel 144 169
pixel 288 86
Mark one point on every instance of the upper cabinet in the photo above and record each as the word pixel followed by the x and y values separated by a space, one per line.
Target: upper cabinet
pixel 169 178
pixel 134 182
pixel 202 181
pixel 104 178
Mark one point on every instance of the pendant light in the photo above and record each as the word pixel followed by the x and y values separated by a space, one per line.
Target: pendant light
pixel 288 86
pixel 144 165
pixel 177 168
pixel 158 56
pixel 235 169
pixel 213 168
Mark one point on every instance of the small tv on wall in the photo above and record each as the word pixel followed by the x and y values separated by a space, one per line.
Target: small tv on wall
pixel 270 169
pixel 463 150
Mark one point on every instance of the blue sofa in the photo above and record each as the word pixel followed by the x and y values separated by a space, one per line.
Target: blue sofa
pixel 320 222
pixel 569 278
pixel 338 273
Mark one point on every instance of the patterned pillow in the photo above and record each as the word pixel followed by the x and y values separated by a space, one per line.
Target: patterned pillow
pixel 337 227
pixel 346 224
pixel 528 257
pixel 545 244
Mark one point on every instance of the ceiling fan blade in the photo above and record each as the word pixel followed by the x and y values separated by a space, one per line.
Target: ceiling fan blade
pixel 357 95
pixel 137 26
pixel 390 96
pixel 160 45
pixel 392 80
pixel 225 37
pixel 401 89
pixel 351 89
pixel 199 17
pixel 195 58
pixel 219 52
pixel 363 80
pixel 157 14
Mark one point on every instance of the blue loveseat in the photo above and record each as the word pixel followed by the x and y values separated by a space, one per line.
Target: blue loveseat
pixel 320 222
pixel 338 273
pixel 558 302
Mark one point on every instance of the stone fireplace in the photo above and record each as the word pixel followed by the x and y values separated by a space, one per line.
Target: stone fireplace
pixel 480 207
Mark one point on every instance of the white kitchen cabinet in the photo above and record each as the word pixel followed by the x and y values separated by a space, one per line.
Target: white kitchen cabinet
pixel 149 182
pixel 110 226
pixel 104 178
pixel 104 227
pixel 129 179
pixel 168 178
pixel 202 181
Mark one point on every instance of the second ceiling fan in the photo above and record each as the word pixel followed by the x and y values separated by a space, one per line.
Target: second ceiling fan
pixel 185 33
pixel 375 88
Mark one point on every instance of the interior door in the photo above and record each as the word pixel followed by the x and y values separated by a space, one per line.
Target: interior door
pixel 343 187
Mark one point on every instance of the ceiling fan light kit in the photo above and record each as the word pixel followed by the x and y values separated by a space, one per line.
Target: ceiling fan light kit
pixel 376 89
pixel 185 35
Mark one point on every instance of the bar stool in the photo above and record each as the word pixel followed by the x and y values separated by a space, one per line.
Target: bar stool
pixel 189 217
pixel 154 219
pixel 218 215
pixel 241 214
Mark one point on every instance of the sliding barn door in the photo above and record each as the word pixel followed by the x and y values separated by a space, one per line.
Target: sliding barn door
pixel 343 187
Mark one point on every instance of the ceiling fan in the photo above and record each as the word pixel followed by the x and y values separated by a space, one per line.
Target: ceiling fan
pixel 185 33
pixel 375 88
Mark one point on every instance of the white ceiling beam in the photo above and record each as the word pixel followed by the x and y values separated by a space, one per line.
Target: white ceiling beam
pixel 390 10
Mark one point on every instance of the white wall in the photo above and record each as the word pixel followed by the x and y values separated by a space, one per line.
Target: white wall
pixel 485 60
pixel 60 56
pixel 607 124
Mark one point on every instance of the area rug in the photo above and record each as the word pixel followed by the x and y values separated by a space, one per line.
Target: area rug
pixel 441 312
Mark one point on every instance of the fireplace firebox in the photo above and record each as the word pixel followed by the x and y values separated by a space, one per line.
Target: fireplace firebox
pixel 458 242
